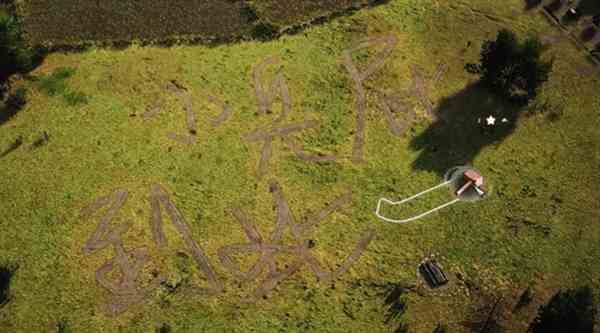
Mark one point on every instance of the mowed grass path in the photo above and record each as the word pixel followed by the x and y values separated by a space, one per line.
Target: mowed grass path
pixel 539 228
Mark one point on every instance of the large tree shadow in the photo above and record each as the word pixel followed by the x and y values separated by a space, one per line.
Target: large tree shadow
pixel 459 131
pixel 567 311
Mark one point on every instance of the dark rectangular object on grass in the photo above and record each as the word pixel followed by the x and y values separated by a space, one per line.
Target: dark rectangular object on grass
pixel 433 274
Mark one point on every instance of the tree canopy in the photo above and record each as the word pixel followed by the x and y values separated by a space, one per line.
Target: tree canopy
pixel 513 69
pixel 15 55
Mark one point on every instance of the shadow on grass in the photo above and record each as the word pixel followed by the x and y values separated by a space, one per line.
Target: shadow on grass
pixel 459 132
pixel 531 4
pixel 6 274
pixel 13 146
pixel 567 311
pixel 165 328
pixel 396 302
pixel 587 34
pixel 554 6
pixel 13 104
pixel 440 329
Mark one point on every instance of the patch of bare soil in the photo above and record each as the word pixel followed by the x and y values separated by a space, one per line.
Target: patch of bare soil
pixel 553 39
pixel 588 70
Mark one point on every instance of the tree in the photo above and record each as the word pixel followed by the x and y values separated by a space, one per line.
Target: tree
pixel 513 69
pixel 15 55
pixel 569 311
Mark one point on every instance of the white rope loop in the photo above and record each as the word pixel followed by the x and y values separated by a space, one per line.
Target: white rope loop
pixel 411 219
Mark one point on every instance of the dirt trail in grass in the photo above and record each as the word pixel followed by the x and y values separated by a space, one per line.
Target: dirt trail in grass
pixel 99 239
pixel 265 100
pixel 159 196
pixel 184 97
pixel 358 77
pixel 151 112
pixel 391 105
pixel 126 291
pixel 226 112
pixel 420 91
pixel 300 251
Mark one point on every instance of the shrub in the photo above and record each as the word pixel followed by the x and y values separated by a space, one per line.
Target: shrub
pixel 55 85
pixel 74 98
pixel 15 55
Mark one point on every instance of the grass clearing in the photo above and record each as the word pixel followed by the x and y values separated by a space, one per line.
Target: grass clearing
pixel 538 229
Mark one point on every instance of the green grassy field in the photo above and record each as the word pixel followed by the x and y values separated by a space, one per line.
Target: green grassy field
pixel 538 228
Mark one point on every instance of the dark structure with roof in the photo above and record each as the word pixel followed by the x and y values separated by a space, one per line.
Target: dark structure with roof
pixel 433 274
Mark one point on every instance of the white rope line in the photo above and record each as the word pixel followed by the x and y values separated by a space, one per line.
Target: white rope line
pixel 395 203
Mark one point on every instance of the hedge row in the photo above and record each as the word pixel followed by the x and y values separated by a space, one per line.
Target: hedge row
pixel 75 22
pixel 293 12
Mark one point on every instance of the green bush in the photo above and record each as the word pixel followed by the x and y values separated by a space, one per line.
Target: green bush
pixel 55 85
pixel 511 68
pixel 74 98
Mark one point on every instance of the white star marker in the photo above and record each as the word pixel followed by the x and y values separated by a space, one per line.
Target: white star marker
pixel 490 120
